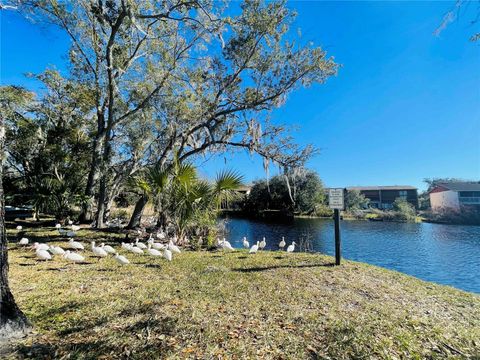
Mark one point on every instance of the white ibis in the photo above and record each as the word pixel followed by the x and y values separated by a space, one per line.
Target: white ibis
pixel 122 260
pixel 19 227
pixel 56 250
pixel 58 226
pixel 108 248
pixel 153 252
pixel 70 222
pixel 126 246
pixel 262 244
pixel 291 248
pixel 167 254
pixel 254 248
pixel 282 243
pixel 23 242
pixel 246 245
pixel 136 250
pixel 38 246
pixel 98 251
pixel 173 248
pixel 73 257
pixel 226 245
pixel 75 245
pixel 43 254
pixel 140 244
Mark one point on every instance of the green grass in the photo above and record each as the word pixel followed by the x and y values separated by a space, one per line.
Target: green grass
pixel 213 305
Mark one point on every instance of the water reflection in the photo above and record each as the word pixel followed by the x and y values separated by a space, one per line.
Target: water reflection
pixel 446 254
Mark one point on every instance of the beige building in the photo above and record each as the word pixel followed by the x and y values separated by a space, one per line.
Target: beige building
pixel 455 195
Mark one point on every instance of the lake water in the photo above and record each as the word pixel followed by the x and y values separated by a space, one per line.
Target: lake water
pixel 445 254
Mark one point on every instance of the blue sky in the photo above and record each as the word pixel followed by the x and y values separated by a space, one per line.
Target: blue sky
pixel 405 104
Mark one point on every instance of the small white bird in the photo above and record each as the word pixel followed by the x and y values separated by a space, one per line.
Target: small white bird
pixel 167 254
pixel 56 250
pixel 75 245
pixel 140 244
pixel 126 246
pixel 173 248
pixel 43 254
pixel 262 244
pixel 58 226
pixel 122 260
pixel 19 227
pixel 225 245
pixel 291 248
pixel 108 248
pixel 246 245
pixel 136 250
pixel 73 257
pixel 70 222
pixel 282 243
pixel 75 228
pixel 23 241
pixel 98 251
pixel 157 246
pixel 38 246
pixel 160 235
pixel 254 248
pixel 153 252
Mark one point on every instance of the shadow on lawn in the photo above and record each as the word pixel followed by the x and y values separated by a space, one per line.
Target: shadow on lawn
pixel 266 268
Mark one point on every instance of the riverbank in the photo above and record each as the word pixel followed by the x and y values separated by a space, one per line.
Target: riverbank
pixel 235 305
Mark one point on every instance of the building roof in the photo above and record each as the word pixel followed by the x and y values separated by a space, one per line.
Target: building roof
pixel 460 186
pixel 394 187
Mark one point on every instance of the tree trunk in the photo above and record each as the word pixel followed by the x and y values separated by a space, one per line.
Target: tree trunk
pixel 13 323
pixel 136 219
pixel 87 214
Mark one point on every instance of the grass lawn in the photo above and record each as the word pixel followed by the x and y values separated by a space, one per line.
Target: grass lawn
pixel 213 305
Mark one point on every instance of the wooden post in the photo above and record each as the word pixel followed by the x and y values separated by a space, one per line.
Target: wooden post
pixel 338 248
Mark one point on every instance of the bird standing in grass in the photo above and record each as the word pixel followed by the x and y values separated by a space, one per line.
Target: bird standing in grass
pixel 167 254
pixel 291 248
pixel 173 248
pixel 56 250
pixel 108 248
pixel 254 248
pixel 19 227
pixel 98 251
pixel 262 244
pixel 122 260
pixel 73 257
pixel 246 245
pixel 23 242
pixel 136 250
pixel 58 226
pixel 282 243
pixel 75 245
pixel 38 246
pixel 153 252
pixel 140 244
pixel 43 254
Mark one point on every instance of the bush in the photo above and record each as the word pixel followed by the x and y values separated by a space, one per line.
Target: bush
pixel 404 211
pixel 464 216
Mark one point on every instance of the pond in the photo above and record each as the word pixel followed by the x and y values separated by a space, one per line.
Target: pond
pixel 445 254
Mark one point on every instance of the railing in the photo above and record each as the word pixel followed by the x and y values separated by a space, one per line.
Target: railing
pixel 469 200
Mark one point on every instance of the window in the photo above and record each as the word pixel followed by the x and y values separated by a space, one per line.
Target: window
pixel 402 194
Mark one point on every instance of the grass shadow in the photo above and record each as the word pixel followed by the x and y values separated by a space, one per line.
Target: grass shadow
pixel 273 267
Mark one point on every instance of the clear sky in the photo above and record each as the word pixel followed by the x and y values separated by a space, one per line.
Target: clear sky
pixel 405 104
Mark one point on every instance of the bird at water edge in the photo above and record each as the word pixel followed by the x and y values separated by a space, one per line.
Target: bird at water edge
pixel 254 248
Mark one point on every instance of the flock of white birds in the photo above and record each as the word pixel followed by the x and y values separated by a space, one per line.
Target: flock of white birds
pixel 46 252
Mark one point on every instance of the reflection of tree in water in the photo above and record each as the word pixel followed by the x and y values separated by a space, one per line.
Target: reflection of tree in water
pixel 305 241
